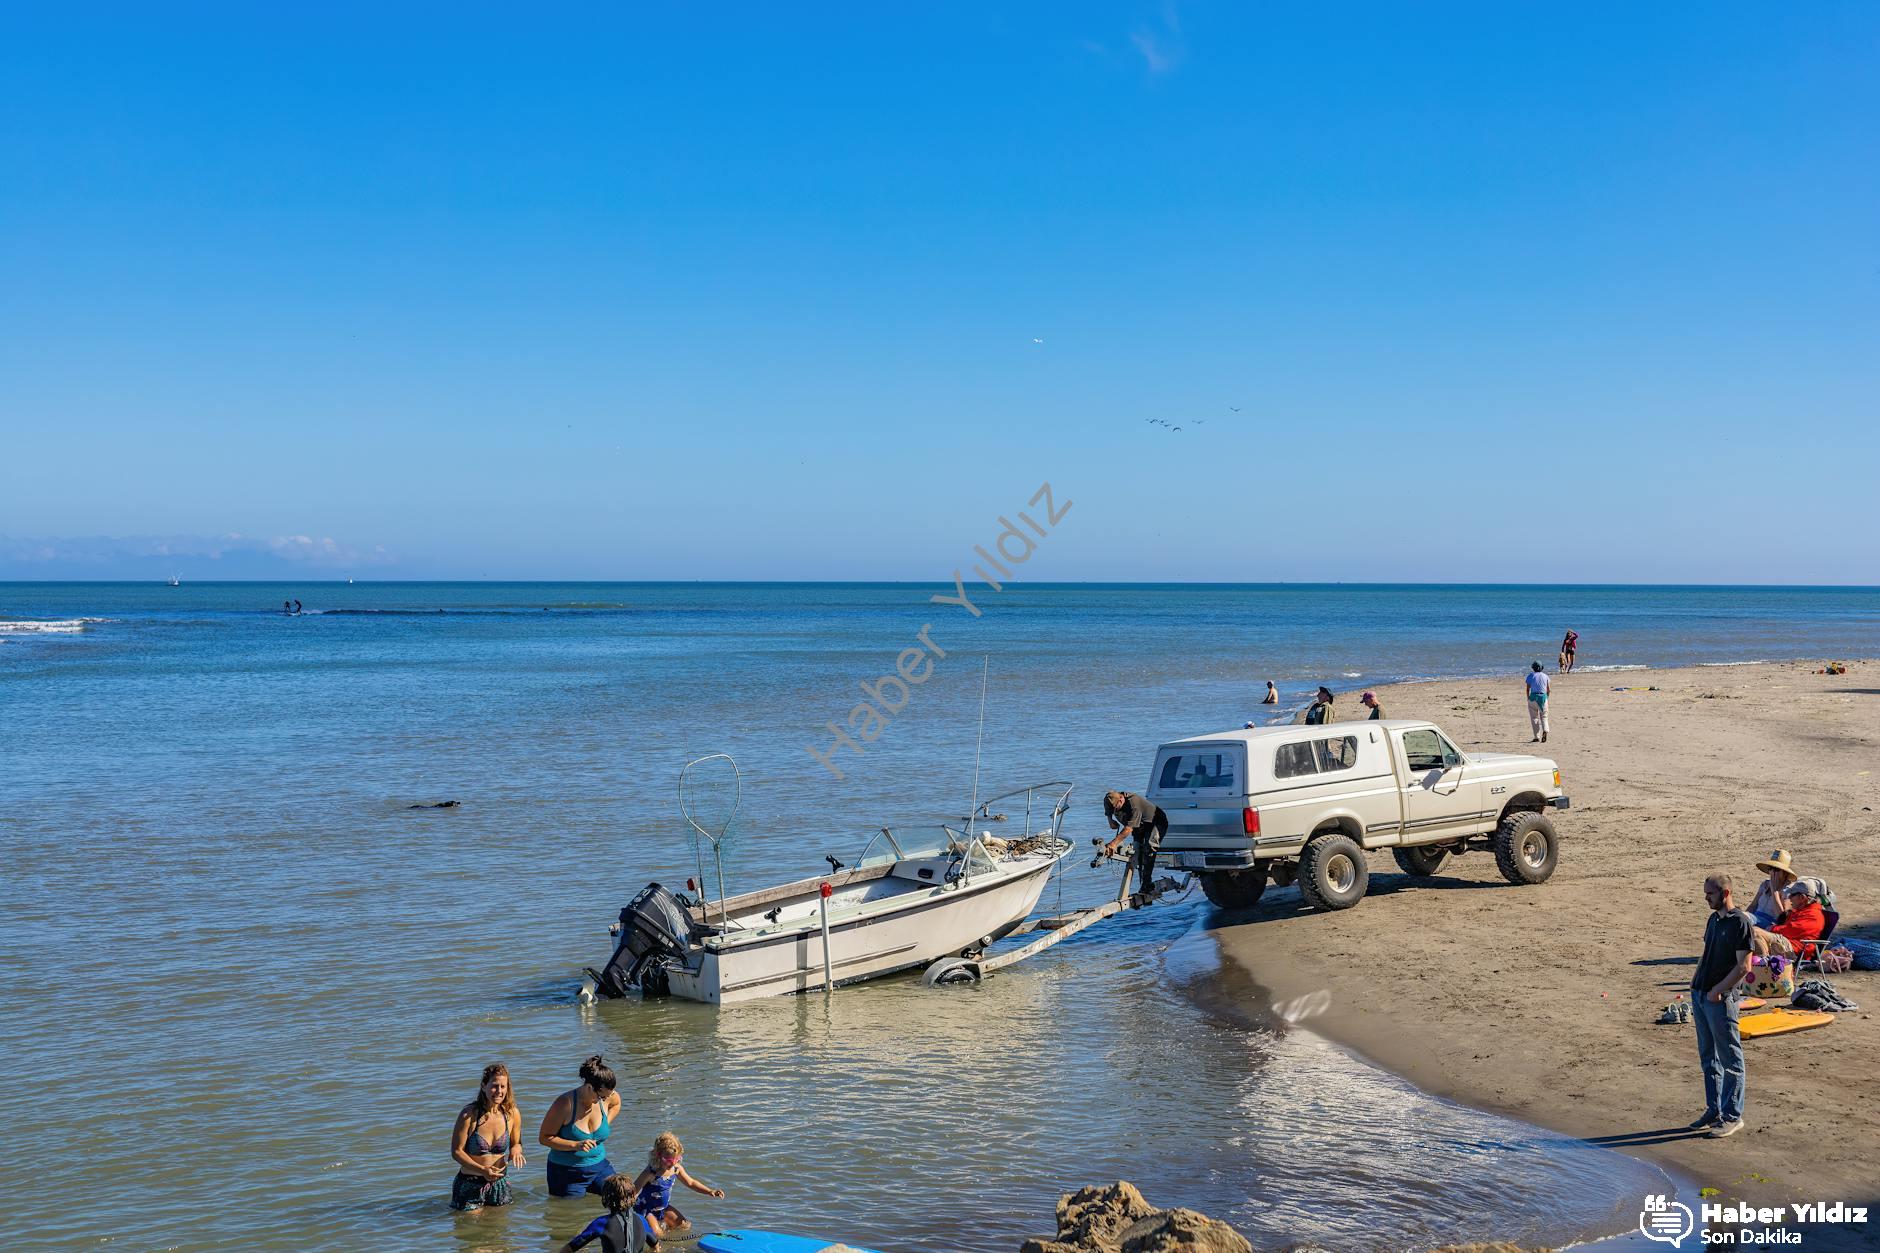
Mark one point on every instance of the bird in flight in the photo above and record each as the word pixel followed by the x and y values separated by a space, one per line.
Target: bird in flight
pixel 1235 408
pixel 1037 341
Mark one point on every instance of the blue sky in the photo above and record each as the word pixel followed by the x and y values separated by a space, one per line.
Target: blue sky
pixel 1501 293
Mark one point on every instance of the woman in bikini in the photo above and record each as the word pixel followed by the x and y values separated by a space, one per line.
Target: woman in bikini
pixel 576 1128
pixel 486 1141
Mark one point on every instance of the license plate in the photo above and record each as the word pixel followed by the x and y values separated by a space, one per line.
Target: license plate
pixel 1191 861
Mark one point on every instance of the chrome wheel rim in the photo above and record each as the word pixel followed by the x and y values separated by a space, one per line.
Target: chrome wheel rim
pixel 1534 850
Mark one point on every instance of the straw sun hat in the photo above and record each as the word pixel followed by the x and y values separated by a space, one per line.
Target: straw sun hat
pixel 1778 860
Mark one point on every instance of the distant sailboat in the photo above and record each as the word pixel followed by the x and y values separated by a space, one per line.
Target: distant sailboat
pixel 175 581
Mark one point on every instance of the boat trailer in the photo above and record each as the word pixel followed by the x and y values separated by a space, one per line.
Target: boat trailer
pixel 947 971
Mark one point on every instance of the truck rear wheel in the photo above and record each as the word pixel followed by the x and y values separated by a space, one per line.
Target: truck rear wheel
pixel 1526 847
pixel 1234 889
pixel 1421 861
pixel 1332 872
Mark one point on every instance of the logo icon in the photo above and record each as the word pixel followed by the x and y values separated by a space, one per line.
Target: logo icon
pixel 1666 1220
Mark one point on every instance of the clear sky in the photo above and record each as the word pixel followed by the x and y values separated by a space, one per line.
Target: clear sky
pixel 1499 292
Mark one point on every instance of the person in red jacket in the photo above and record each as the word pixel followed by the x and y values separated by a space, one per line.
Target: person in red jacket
pixel 1804 920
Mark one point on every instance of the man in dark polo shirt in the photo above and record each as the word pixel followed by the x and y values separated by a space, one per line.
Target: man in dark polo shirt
pixel 1715 991
pixel 1129 814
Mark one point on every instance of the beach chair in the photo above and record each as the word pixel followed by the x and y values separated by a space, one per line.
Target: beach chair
pixel 1808 952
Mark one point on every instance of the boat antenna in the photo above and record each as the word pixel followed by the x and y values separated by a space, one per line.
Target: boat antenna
pixel 985 669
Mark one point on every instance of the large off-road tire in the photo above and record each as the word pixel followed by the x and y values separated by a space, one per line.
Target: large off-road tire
pixel 1421 861
pixel 1234 889
pixel 1332 872
pixel 1526 847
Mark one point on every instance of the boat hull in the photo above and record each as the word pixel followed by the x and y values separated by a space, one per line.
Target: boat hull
pixel 917 929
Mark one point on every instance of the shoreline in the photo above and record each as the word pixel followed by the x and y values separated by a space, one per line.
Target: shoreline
pixel 1538 1003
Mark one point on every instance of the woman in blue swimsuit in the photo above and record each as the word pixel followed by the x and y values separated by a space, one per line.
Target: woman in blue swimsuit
pixel 486 1141
pixel 576 1128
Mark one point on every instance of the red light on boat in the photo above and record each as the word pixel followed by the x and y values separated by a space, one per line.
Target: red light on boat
pixel 691 886
pixel 1250 821
pixel 827 891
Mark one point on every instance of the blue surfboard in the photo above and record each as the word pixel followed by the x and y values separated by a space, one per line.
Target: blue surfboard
pixel 770 1242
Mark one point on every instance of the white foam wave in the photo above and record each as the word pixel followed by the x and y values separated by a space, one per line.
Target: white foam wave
pixel 1579 668
pixel 1352 674
pixel 45 626
pixel 1734 663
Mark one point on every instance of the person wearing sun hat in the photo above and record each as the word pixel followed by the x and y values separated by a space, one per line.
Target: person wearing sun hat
pixel 1769 905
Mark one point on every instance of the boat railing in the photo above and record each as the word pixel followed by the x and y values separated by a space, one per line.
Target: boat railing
pixel 1056 793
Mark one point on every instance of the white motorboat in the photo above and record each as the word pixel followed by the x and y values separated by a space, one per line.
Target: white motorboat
pixel 907 901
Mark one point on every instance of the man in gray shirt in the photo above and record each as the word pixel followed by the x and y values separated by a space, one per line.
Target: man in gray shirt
pixel 1131 815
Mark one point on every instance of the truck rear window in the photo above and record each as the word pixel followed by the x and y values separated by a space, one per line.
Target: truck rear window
pixel 1191 772
pixel 1290 761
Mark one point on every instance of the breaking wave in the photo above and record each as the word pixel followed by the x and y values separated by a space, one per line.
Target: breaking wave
pixel 46 626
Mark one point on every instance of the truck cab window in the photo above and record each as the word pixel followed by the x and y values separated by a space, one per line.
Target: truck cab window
pixel 1423 750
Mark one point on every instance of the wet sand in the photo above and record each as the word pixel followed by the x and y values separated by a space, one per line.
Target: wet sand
pixel 1540 1002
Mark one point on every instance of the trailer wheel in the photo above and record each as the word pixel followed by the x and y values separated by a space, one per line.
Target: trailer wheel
pixel 1234 889
pixel 1332 872
pixel 1526 847
pixel 1422 861
pixel 950 972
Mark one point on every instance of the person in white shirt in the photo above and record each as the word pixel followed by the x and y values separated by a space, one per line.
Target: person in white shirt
pixel 1537 702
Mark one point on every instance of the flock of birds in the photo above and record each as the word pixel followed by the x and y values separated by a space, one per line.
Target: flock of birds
pixel 1171 427
pixel 1164 424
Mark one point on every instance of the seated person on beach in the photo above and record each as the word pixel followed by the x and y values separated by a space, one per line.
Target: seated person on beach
pixel 1769 904
pixel 1804 921
pixel 613 1228
pixel 653 1188
pixel 1272 694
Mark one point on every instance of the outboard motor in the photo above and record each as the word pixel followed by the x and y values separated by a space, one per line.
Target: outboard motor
pixel 654 930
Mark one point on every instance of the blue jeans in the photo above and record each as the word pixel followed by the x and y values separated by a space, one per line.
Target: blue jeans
pixel 1761 919
pixel 1720 1049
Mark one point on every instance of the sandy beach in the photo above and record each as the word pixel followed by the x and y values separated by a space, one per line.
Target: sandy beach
pixel 1540 1002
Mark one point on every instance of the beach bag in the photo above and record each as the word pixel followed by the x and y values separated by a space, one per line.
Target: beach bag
pixel 1771 977
pixel 1835 960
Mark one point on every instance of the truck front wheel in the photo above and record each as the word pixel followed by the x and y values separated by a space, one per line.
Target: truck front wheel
pixel 1332 872
pixel 1234 889
pixel 1526 847
pixel 1422 861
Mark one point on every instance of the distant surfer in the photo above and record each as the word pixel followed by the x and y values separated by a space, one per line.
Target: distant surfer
pixel 287 607
pixel 1130 815
pixel 296 606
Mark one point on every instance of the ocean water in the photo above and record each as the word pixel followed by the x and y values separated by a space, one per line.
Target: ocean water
pixel 245 987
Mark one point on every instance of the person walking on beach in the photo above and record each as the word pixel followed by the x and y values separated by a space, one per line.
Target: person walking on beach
pixel 1272 694
pixel 1537 690
pixel 575 1131
pixel 1715 991
pixel 1369 701
pixel 1321 711
pixel 652 1188
pixel 485 1143
pixel 1567 646
pixel 1130 815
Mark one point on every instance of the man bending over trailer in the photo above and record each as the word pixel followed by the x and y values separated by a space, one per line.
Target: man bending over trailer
pixel 1131 815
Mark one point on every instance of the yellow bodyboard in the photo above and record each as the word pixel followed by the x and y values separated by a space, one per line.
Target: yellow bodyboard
pixel 1782 1021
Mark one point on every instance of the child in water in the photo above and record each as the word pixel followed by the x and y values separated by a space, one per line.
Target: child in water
pixel 653 1188
pixel 614 1229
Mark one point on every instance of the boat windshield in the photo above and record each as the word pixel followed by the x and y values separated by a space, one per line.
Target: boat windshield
pixel 890 846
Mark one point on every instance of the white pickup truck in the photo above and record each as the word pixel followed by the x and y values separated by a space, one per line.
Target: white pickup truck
pixel 1304 803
